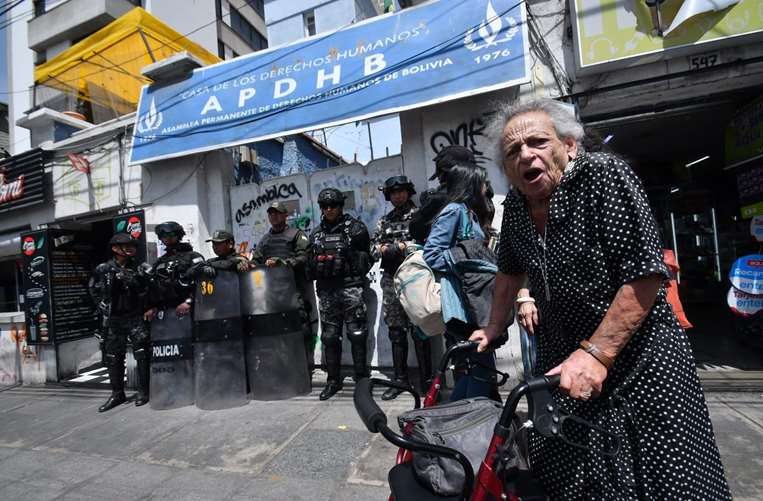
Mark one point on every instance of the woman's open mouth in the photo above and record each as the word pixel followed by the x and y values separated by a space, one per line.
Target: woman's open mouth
pixel 532 174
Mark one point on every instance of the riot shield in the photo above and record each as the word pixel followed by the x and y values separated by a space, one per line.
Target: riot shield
pixel 218 345
pixel 171 381
pixel 275 353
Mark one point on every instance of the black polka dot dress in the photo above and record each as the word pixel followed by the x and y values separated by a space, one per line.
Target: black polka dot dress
pixel 601 234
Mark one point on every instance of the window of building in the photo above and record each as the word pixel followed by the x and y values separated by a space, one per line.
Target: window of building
pixel 245 30
pixel 258 6
pixel 309 21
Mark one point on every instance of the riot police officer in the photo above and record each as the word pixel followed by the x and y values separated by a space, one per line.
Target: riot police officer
pixel 174 272
pixel 226 258
pixel 119 290
pixel 287 246
pixel 338 261
pixel 390 243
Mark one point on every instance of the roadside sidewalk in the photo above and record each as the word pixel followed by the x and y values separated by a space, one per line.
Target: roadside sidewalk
pixel 55 445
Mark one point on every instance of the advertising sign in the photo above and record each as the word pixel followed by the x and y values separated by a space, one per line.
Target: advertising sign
pixel 35 285
pixel 743 304
pixel 134 224
pixel 436 52
pixel 610 33
pixel 747 274
pixel 21 180
pixel 56 269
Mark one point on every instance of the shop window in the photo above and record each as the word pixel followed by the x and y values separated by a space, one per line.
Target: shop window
pixel 309 22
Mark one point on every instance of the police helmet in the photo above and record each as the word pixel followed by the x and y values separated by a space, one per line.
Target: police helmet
pixel 169 228
pixel 122 239
pixel 331 196
pixel 395 182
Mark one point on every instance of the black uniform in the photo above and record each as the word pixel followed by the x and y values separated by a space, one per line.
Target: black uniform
pixel 173 276
pixel 290 246
pixel 339 260
pixel 120 294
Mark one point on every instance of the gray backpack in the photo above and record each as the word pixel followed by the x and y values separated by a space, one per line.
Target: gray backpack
pixel 465 425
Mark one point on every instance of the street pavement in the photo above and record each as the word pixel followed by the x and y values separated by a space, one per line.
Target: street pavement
pixel 55 445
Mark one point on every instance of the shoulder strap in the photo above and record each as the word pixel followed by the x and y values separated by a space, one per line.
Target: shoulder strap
pixel 465 224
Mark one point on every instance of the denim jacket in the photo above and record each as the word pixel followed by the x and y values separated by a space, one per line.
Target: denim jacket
pixel 446 231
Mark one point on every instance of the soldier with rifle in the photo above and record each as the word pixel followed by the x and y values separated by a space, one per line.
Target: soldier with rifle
pixel 118 288
pixel 391 242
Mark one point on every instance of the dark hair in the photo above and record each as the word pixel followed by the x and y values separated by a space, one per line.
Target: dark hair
pixel 465 183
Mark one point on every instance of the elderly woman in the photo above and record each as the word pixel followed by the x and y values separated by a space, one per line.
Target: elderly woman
pixel 578 226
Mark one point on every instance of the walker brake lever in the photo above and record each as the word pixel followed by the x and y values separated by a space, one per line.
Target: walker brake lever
pixel 552 421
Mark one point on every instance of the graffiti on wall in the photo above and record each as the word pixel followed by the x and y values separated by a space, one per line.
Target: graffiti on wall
pixel 273 193
pixel 471 134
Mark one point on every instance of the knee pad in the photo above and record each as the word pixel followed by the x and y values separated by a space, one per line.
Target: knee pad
pixel 140 353
pixel 398 335
pixel 356 331
pixel 331 334
pixel 113 359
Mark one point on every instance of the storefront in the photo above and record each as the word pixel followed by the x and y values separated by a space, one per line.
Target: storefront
pixel 674 107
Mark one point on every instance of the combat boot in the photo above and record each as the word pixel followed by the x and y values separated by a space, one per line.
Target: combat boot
pixel 333 353
pixel 400 367
pixel 143 371
pixel 117 380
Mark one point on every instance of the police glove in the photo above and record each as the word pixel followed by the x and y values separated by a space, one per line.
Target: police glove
pixel 208 271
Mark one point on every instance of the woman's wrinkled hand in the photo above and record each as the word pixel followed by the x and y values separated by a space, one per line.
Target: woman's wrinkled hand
pixel 582 376
pixel 527 315
pixel 484 337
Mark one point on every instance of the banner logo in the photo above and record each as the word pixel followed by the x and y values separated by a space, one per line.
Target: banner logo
pixel 490 30
pixel 152 120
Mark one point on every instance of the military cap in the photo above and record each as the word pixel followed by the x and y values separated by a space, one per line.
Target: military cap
pixel 221 236
pixel 279 207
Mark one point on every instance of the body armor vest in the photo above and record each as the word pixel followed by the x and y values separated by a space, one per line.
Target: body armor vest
pixel 278 244
pixel 332 252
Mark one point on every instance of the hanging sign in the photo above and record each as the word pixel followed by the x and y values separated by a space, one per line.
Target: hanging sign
pixel 747 274
pixel 436 52
pixel 743 304
pixel 756 228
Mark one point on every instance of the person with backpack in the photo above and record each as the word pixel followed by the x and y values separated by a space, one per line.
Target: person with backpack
pixel 461 220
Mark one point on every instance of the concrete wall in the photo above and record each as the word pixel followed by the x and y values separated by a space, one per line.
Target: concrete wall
pixel 185 16
pixel 192 191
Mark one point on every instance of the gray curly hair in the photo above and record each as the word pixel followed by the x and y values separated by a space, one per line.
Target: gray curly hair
pixel 562 116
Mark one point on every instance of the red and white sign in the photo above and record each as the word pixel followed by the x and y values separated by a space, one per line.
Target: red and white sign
pixel 11 190
pixel 743 304
pixel 134 227
pixel 28 247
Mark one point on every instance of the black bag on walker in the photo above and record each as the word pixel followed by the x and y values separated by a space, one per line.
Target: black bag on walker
pixel 466 426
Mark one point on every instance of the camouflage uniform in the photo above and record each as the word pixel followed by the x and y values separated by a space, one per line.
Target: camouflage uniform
pixel 393 229
pixel 339 260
